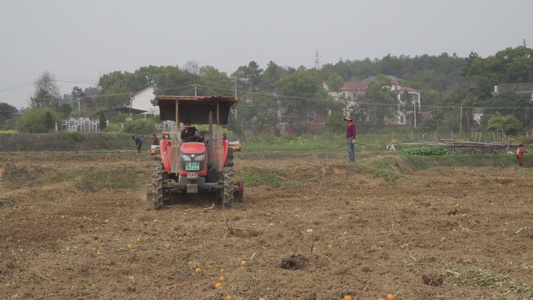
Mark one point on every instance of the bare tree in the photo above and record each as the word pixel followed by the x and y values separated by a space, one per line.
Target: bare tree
pixel 193 66
pixel 46 92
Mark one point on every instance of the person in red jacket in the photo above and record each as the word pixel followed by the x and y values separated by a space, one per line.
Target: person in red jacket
pixel 520 155
pixel 350 137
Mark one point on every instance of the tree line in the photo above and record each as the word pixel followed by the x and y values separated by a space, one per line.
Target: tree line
pixel 451 88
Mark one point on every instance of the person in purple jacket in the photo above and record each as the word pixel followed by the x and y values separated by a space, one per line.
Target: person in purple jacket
pixel 520 155
pixel 350 137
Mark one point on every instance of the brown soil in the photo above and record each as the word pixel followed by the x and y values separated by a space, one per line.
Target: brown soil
pixel 441 234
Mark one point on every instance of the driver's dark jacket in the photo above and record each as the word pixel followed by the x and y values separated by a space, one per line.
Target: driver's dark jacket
pixel 188 132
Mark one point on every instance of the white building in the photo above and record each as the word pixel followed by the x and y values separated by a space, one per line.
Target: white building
pixel 352 91
pixel 143 100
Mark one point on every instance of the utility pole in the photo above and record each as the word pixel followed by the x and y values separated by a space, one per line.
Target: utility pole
pixel 414 111
pixel 195 90
pixel 317 62
pixel 461 119
pixel 79 107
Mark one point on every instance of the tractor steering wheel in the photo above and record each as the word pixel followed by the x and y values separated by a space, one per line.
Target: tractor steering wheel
pixel 193 138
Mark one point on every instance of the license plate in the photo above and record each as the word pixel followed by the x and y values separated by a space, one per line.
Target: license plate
pixel 192 166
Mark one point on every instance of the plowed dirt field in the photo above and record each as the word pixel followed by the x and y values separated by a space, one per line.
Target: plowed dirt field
pixel 329 229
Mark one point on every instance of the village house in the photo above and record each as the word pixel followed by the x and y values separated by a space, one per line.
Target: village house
pixel 140 103
pixel 519 88
pixel 142 100
pixel 353 91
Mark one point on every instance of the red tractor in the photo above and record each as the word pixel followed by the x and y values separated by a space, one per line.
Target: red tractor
pixel 200 163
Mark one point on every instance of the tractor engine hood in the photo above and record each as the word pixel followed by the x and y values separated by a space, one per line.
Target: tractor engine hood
pixel 193 148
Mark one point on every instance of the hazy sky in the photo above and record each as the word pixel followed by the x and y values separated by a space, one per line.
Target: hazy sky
pixel 79 40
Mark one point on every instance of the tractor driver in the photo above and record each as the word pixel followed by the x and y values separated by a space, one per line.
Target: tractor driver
pixel 190 133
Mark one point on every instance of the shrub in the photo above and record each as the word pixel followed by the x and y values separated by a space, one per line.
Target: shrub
pixel 39 120
pixel 425 151
pixel 139 126
pixel 119 118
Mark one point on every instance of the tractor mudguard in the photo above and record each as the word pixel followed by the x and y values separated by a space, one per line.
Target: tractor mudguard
pixel 163 145
pixel 225 143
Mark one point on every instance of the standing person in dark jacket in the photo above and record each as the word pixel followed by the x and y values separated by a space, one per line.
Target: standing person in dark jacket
pixel 350 137
pixel 138 143
pixel 520 155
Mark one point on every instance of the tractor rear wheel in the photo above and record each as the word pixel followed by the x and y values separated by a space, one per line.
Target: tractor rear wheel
pixel 157 182
pixel 227 196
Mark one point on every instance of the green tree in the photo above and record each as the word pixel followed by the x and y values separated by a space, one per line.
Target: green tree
pixel 215 82
pixel 103 121
pixel 261 114
pixel 302 96
pixel 507 103
pixel 6 112
pixel 379 101
pixel 235 125
pixel 512 65
pixel 171 80
pixel 115 89
pixel 272 74
pixel 64 110
pixel 508 123
pixel 248 77
pixel 429 124
pixel 78 97
pixel 335 123
pixel 46 92
pixel 39 120
pixel 77 94
pixel 516 64
pixel 91 91
pixel 335 82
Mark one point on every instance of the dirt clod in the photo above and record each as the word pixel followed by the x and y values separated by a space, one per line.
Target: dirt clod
pixel 433 279
pixel 294 262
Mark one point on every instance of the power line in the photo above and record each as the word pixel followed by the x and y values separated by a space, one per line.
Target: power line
pixel 77 81
pixel 22 85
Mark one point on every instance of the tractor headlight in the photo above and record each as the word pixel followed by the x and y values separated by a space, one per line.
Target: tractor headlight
pixel 185 157
pixel 200 157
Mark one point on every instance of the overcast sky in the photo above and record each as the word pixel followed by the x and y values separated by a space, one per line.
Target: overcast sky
pixel 79 40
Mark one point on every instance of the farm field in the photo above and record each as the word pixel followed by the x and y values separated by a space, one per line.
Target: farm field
pixel 78 226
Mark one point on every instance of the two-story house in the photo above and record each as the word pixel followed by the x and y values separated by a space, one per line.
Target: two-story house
pixel 351 92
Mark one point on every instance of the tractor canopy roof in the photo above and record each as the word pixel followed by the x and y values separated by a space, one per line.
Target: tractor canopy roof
pixel 196 109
